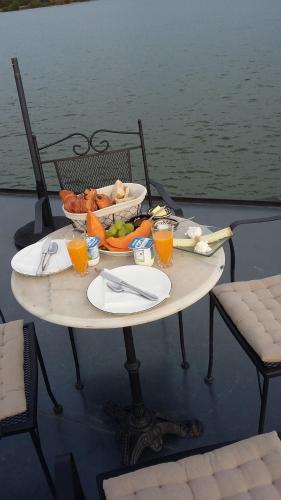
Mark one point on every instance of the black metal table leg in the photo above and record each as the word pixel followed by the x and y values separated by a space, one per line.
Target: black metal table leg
pixel 139 427
pixel 184 363
pixel 79 384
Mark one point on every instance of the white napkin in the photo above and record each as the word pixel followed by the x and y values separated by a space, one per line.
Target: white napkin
pixel 111 298
pixel 27 260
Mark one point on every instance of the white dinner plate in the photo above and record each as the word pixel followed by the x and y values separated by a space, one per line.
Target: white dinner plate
pixel 26 261
pixel 126 253
pixel 149 278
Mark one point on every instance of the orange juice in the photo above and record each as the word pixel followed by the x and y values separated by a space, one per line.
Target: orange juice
pixel 77 249
pixel 163 243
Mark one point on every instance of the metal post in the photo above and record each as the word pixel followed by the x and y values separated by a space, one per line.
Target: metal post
pixel 44 222
pixel 145 164
pixel 41 187
pixel 132 366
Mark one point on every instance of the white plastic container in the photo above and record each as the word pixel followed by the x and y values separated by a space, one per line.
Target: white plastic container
pixel 143 251
pixel 93 250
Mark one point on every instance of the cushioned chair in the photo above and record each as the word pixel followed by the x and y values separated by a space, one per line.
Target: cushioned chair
pixel 252 311
pixel 249 469
pixel 19 351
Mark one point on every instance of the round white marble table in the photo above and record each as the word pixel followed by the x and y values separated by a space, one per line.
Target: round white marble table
pixel 61 299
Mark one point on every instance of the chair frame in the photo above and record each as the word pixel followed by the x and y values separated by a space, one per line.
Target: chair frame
pixel 27 421
pixel 266 370
pixel 91 150
pixel 45 222
pixel 104 148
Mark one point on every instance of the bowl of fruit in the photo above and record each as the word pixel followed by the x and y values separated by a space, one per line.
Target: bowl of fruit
pixel 119 236
pixel 119 228
pixel 116 238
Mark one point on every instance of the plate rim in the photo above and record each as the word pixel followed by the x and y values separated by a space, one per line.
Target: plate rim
pixel 153 304
pixel 126 253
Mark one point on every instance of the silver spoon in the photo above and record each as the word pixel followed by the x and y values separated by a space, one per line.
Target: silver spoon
pixel 53 248
pixel 119 288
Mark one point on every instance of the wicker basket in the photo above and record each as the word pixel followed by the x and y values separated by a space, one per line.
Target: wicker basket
pixel 123 210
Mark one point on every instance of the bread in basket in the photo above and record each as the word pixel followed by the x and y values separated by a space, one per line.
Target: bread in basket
pixel 122 210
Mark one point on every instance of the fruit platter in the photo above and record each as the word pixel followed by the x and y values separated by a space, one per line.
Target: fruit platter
pixel 120 200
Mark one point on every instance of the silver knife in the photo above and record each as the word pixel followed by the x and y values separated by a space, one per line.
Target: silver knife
pixel 111 277
pixel 44 251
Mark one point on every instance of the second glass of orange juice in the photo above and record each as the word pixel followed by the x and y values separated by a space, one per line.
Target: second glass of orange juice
pixel 77 249
pixel 162 231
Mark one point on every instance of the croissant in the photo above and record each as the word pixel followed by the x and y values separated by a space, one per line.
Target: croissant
pixel 90 193
pixel 103 201
pixel 90 198
pixel 64 193
pixel 73 204
pixel 77 204
pixel 82 203
pixel 90 205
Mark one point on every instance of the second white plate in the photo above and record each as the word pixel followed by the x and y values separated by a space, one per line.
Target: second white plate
pixel 26 261
pixel 126 253
pixel 148 278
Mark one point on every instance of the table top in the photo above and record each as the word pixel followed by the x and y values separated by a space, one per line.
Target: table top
pixel 62 298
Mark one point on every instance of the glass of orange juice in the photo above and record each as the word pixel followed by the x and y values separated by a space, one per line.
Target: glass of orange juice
pixel 77 249
pixel 162 231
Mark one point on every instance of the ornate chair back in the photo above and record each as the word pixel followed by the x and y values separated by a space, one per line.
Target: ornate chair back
pixel 97 165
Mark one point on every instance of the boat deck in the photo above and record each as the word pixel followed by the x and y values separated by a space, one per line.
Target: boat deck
pixel 228 409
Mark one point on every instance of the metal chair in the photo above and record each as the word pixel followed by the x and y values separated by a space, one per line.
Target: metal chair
pixel 100 168
pixel 252 312
pixel 27 421
pixel 90 165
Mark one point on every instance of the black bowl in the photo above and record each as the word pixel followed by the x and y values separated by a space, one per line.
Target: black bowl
pixel 138 219
pixel 169 220
pixel 167 210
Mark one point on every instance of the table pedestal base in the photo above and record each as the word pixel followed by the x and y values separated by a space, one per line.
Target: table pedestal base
pixel 147 430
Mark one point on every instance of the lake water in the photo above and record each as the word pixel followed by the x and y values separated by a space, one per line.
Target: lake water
pixel 204 77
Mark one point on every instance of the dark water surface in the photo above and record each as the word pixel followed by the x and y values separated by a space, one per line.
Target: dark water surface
pixel 204 77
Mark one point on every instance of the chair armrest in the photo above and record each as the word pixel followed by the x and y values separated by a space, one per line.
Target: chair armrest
pixel 166 197
pixel 237 223
pixel 67 481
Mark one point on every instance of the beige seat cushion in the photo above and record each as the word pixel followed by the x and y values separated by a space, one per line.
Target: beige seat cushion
pixel 255 309
pixel 12 394
pixel 250 469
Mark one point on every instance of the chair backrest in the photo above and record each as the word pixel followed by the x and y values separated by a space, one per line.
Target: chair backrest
pixel 97 170
pixel 96 165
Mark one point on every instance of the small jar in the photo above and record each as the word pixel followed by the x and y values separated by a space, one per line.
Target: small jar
pixel 93 250
pixel 143 251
